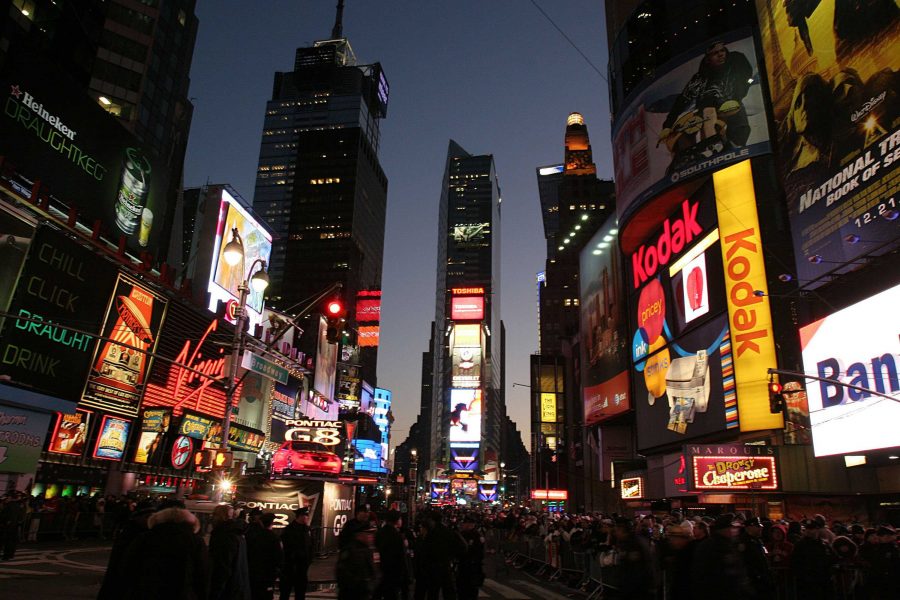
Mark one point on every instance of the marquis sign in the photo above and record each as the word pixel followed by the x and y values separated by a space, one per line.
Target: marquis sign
pixel 734 467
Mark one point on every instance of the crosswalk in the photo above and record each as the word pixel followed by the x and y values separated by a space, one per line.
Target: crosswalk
pixel 510 589
pixel 44 563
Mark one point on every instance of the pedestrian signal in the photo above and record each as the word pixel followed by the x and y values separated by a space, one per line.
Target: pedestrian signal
pixel 224 459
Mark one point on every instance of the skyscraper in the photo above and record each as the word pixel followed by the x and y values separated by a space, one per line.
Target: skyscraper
pixel 468 406
pixel 319 183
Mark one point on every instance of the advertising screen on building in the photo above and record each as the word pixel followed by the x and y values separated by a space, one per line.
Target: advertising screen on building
pixel 286 398
pixel 368 306
pixel 604 327
pixel 833 77
pixel 439 490
pixel 371 431
pixel 51 131
pixel 282 497
pixel 734 467
pixel 112 438
pixel 349 385
pixel 154 426
pixel 487 491
pixel 857 346
pixel 225 279
pixel 704 110
pixel 22 434
pixel 467 308
pixel 60 282
pixel 465 415
pixel 464 460
pixel 632 488
pixel 70 433
pixel 466 367
pixel 120 367
pixel 549 495
pixel 548 408
pixel 203 349
pixel 324 377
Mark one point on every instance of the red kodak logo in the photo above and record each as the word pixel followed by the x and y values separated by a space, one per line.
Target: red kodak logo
pixel 675 236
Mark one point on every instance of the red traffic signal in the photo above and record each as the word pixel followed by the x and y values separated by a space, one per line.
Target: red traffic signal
pixel 334 308
pixel 776 400
pixel 775 387
pixel 334 314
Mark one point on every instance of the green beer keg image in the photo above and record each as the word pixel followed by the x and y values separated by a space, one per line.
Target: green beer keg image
pixel 134 188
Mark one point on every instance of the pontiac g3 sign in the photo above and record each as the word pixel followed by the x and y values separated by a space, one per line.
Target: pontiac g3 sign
pixel 734 468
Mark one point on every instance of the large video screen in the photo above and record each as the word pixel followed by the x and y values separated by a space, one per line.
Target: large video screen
pixel 704 110
pixel 604 327
pixel 858 346
pixel 465 415
pixel 833 77
pixel 224 279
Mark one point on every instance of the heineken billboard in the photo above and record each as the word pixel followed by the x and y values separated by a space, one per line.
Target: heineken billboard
pixel 53 132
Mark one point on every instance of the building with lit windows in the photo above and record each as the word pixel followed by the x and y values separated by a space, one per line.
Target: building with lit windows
pixel 319 183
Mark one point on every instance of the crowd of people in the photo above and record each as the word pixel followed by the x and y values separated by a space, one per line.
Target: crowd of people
pixel 160 550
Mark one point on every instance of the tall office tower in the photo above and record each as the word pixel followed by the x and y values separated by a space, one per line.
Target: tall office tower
pixel 319 184
pixel 467 403
pixel 133 58
pixel 572 211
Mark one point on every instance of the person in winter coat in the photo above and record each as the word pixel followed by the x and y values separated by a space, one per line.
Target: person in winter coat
pixel 357 575
pixel 228 555
pixel 296 539
pixel 115 578
pixel 676 555
pixel 756 561
pixel 391 545
pixel 635 562
pixel 884 565
pixel 717 570
pixel 470 574
pixel 264 557
pixel 811 564
pixel 167 562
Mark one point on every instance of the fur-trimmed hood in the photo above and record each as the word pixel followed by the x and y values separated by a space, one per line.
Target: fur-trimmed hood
pixel 174 515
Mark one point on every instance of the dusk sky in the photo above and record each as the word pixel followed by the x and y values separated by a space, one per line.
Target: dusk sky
pixel 494 75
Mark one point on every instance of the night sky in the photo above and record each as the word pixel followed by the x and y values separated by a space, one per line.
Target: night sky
pixel 494 75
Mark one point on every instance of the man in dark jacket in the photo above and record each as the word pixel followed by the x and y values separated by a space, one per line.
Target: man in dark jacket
pixel 296 539
pixel 638 581
pixel 228 554
pixel 168 562
pixel 717 570
pixel 264 557
pixel 391 546
pixel 754 553
pixel 440 549
pixel 811 563
pixel 12 515
pixel 115 579
pixel 470 575
pixel 357 575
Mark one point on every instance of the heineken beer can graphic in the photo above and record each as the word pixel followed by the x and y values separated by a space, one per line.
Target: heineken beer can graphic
pixel 134 187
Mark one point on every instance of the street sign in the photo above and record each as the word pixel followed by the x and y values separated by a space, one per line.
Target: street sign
pixel 264 367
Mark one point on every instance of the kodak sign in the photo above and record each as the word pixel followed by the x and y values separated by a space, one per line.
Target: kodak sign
pixel 749 314
pixel 678 233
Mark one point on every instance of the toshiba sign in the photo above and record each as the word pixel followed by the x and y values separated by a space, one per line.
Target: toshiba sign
pixel 676 235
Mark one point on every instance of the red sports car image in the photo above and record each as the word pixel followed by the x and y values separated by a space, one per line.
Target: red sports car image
pixel 305 457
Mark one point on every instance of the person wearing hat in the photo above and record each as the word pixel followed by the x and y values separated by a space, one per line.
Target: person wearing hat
pixel 753 551
pixel 811 562
pixel 357 573
pixel 264 556
pixel 716 569
pixel 884 565
pixel 470 571
pixel 297 542
pixel 676 554
pixel 391 546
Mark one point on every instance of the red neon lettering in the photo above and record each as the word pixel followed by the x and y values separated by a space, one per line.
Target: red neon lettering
pixel 211 367
pixel 675 236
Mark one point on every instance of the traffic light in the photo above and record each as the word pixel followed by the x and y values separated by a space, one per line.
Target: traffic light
pixel 335 315
pixel 224 459
pixel 776 399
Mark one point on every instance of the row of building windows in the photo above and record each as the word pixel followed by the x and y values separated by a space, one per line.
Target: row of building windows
pixel 570 302
pixel 300 130
pixel 580 206
pixel 326 180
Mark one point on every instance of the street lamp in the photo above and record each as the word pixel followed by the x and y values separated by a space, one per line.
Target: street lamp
pixel 413 483
pixel 259 281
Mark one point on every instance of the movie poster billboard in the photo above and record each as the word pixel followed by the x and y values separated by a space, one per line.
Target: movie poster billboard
pixel 61 282
pixel 604 327
pixel 154 426
pixel 349 384
pixel 321 397
pixel 833 78
pixel 119 372
pixel 465 415
pixel 702 111
pixel 112 438
pixel 858 346
pixel 22 434
pixel 225 279
pixel 52 131
pixel 70 433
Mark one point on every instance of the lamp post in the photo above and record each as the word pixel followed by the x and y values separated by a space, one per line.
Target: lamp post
pixel 502 482
pixel 259 281
pixel 413 483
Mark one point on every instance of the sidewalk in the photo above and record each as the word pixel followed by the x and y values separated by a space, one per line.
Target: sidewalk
pixel 322 569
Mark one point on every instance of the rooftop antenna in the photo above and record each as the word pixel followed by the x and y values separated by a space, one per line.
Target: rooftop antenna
pixel 338 31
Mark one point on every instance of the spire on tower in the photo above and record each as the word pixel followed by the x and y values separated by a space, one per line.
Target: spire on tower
pixel 337 31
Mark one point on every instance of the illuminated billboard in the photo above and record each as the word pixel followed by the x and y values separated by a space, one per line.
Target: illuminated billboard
pixel 466 367
pixel 370 439
pixel 704 110
pixel 548 407
pixel 225 279
pixel 154 426
pixel 321 404
pixel 465 415
pixel 439 490
pixel 368 306
pixel 120 367
pixel 632 488
pixel 464 460
pixel 833 79
pixel 61 281
pixel 604 327
pixel 112 438
pixel 467 308
pixel 487 490
pixel 858 346
pixel 368 336
pixel 70 433
pixel 734 467
pixel 54 133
